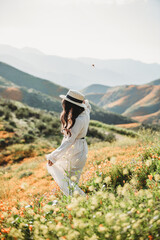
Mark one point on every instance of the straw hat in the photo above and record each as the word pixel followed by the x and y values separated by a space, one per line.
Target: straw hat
pixel 75 97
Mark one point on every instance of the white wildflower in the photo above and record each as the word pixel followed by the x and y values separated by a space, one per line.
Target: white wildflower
pixel 73 178
pixel 125 171
pixel 98 180
pixel 149 163
pixel 157 177
pixel 107 180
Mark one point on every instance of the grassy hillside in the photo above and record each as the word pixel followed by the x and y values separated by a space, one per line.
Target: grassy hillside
pixel 138 102
pixel 31 97
pixel 22 127
pixel 26 80
pixel 32 91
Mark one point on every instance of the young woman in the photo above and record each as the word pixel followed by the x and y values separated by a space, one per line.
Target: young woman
pixel 65 164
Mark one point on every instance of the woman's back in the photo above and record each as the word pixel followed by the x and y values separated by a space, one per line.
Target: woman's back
pixel 70 157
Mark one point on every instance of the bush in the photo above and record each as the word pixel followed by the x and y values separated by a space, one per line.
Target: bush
pixel 22 113
pixel 1 111
pixel 28 138
pixel 25 174
pixel 7 114
pixel 2 143
pixel 12 106
pixel 9 128
pixel 95 133
pixel 110 137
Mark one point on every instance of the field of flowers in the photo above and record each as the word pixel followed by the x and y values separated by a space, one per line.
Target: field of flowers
pixel 122 185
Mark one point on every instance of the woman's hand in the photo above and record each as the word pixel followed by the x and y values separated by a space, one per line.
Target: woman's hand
pixel 50 163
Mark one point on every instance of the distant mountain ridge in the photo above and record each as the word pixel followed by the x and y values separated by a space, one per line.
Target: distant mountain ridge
pixel 140 102
pixel 43 94
pixel 73 72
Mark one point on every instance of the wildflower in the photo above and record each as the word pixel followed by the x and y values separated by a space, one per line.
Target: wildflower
pixel 157 177
pixel 14 210
pixel 98 180
pixel 94 202
pixel 4 215
pixel 119 190
pixel 125 171
pixel 51 226
pixel 73 178
pixel 36 216
pixel 98 214
pixel 72 205
pixel 136 224
pixel 101 228
pixel 150 177
pixel 16 233
pixel 123 217
pixel 118 237
pixel 30 212
pixel 42 219
pixel 91 188
pixel 150 202
pixel 94 237
pixel 30 227
pixel 72 234
pixel 109 218
pixel 122 204
pixel 5 230
pixel 149 163
pixel 116 228
pixel 76 193
pixel 80 212
pixel 24 186
pixel 112 197
pixel 78 223
pixel 148 193
pixel 107 180
pixel 150 237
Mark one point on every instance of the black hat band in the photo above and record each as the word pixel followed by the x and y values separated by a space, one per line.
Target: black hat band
pixel 74 99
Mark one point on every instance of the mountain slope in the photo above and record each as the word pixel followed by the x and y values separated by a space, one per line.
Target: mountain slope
pixel 155 82
pixel 72 72
pixel 34 92
pixel 131 100
pixel 26 80
pixel 95 88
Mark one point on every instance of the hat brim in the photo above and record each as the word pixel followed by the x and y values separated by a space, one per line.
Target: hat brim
pixel 67 99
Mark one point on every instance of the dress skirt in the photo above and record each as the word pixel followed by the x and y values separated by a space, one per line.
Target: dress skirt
pixel 70 164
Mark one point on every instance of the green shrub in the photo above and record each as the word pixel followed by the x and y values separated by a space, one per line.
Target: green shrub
pixel 1 111
pixel 95 133
pixel 28 138
pixel 22 113
pixel 9 128
pixel 110 137
pixel 25 174
pixel 2 143
pixel 7 114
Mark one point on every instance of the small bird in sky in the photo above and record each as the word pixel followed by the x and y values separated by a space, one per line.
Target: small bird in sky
pixel 93 65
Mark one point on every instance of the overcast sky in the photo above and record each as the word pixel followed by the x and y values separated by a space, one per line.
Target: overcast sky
pixel 84 28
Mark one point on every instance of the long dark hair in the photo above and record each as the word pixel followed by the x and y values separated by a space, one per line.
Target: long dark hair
pixel 68 116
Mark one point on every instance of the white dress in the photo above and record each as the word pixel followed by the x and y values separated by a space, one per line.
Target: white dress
pixel 70 157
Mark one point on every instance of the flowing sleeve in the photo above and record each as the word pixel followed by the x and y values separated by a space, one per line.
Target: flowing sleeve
pixel 88 106
pixel 75 130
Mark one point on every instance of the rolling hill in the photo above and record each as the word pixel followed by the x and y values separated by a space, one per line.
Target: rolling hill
pixel 141 103
pixel 43 94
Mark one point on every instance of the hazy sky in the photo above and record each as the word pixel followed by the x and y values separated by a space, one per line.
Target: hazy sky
pixel 84 28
